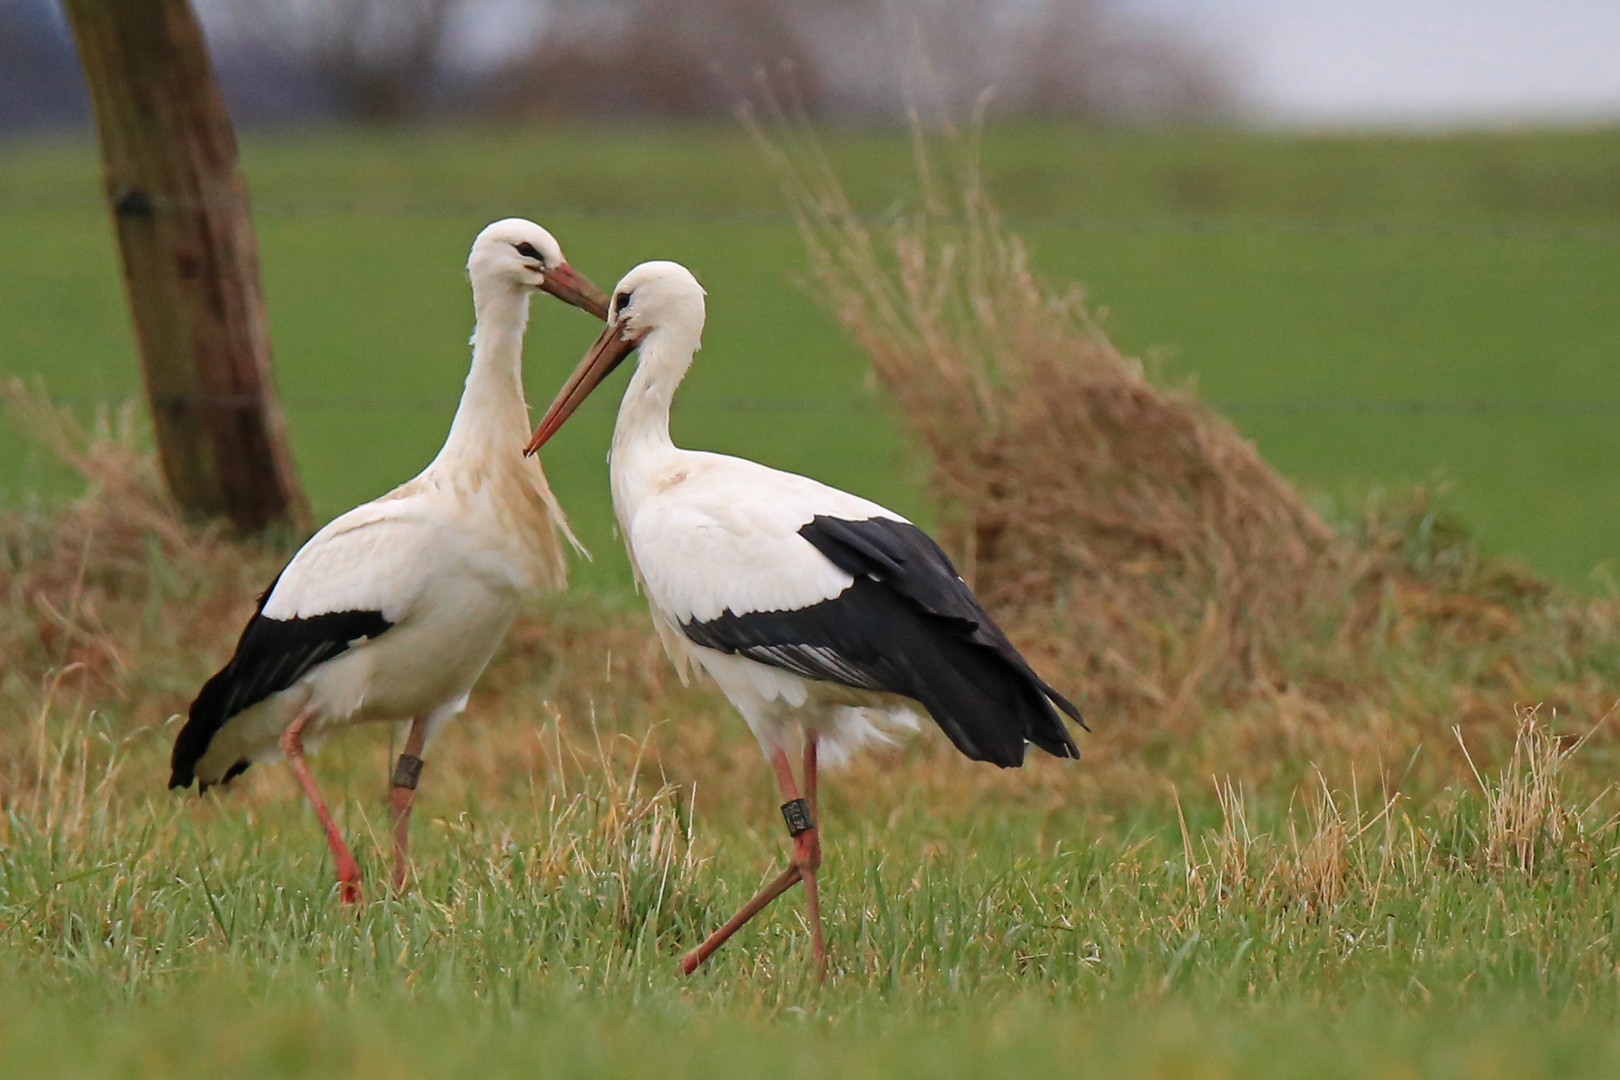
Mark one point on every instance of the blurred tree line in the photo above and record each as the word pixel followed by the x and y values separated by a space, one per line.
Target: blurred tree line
pixel 391 60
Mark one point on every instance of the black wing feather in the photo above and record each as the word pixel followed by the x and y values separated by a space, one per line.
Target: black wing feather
pixel 271 655
pixel 918 568
pixel 908 625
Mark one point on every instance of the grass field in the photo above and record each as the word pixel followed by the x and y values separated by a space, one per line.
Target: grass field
pixel 1373 310
pixel 1296 883
pixel 590 819
pixel 978 921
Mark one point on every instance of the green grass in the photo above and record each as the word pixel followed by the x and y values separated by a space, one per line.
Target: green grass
pixel 548 1037
pixel 147 935
pixel 1490 294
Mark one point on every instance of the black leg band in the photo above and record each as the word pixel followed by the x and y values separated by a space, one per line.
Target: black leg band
pixel 407 771
pixel 797 815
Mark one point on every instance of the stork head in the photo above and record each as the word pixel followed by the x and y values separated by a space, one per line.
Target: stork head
pixel 518 254
pixel 661 298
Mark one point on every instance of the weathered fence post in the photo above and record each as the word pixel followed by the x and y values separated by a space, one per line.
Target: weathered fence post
pixel 191 264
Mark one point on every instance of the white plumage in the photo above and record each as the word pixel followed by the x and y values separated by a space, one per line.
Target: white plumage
pixel 711 534
pixel 392 611
pixel 425 565
pixel 725 530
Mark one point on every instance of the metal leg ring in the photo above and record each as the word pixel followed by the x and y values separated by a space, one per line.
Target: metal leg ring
pixel 796 812
pixel 407 771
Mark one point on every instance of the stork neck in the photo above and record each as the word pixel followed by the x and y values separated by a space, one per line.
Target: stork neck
pixel 642 447
pixel 492 415
pixel 644 414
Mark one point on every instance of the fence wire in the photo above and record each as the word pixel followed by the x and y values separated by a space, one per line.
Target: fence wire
pixel 839 404
pixel 1280 407
pixel 723 216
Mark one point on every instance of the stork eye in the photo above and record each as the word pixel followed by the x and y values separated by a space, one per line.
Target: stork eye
pixel 526 250
pixel 622 300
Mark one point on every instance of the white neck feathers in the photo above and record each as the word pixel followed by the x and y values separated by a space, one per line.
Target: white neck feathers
pixel 492 417
pixel 642 449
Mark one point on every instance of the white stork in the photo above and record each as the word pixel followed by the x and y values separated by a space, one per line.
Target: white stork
pixel 826 619
pixel 392 610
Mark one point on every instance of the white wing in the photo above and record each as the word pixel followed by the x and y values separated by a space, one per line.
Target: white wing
pixel 724 536
pixel 377 557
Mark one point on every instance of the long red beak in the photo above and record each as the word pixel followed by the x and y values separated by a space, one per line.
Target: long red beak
pixel 616 343
pixel 566 283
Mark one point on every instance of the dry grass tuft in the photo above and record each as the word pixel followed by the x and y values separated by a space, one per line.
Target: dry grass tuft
pixel 1330 847
pixel 1315 874
pixel 1530 816
pixel 1333 846
pixel 605 822
pixel 61 783
pixel 89 591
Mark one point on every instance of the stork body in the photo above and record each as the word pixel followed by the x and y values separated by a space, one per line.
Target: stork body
pixel 392 611
pixel 826 619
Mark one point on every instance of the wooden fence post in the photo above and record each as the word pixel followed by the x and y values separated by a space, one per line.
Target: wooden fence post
pixel 191 264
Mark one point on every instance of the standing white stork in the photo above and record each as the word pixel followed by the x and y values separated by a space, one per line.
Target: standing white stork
pixel 392 611
pixel 824 618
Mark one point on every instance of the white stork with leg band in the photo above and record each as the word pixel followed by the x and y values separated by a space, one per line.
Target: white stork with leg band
pixel 392 611
pixel 827 620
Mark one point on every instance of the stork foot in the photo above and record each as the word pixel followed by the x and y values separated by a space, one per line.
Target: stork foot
pixel 349 888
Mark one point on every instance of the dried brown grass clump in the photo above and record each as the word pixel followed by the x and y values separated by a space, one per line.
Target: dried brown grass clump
pixel 1125 530
pixel 89 590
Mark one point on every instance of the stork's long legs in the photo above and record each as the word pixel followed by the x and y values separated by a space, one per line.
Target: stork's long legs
pixel 806 861
pixel 402 794
pixel 807 857
pixel 348 871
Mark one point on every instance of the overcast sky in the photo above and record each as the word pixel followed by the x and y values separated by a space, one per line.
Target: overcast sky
pixel 1423 63
pixel 1400 62
pixel 1416 61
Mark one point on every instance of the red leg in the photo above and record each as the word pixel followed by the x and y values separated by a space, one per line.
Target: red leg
pixel 402 794
pixel 811 741
pixel 806 858
pixel 348 871
pixel 784 881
